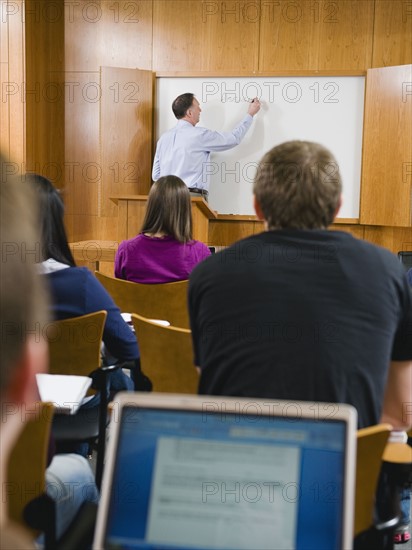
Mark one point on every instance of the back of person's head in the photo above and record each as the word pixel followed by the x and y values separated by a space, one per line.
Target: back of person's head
pixel 169 210
pixel 298 186
pixel 181 104
pixel 23 303
pixel 53 231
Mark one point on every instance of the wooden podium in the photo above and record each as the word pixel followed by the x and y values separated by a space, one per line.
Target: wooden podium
pixel 132 209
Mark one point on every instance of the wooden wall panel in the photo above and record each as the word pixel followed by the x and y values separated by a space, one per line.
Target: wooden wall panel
pixel 16 78
pixel 386 190
pixel 346 33
pixel 193 35
pixel 86 227
pixel 317 35
pixel 4 82
pixel 108 33
pixel 126 109
pixel 358 231
pixel 44 27
pixel 82 158
pixel 289 37
pixel 126 30
pixel 392 38
pixel 97 34
pixel 224 233
pixel 395 239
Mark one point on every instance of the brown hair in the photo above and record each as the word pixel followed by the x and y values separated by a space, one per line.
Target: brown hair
pixel 169 209
pixel 23 303
pixel 298 186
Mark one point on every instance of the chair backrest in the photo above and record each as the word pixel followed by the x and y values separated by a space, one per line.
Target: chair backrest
pixel 406 259
pixel 371 443
pixel 166 356
pixel 154 301
pixel 28 461
pixel 74 344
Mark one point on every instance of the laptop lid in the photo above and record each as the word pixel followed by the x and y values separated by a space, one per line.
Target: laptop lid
pixel 199 472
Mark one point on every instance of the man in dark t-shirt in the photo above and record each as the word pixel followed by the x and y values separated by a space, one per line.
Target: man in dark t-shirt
pixel 300 312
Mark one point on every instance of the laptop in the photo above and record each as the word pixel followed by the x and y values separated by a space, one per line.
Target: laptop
pixel 202 473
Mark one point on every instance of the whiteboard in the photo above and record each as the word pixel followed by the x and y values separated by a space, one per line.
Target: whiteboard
pixel 324 109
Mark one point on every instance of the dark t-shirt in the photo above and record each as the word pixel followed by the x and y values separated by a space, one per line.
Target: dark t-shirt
pixel 301 315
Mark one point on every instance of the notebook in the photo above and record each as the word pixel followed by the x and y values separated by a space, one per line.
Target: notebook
pixel 199 472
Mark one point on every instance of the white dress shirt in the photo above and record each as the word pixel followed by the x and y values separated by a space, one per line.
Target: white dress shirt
pixel 184 151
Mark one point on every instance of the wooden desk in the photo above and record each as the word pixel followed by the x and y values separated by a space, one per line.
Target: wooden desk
pixel 91 253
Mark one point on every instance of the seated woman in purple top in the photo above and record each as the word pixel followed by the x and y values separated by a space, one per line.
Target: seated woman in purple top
pixel 164 251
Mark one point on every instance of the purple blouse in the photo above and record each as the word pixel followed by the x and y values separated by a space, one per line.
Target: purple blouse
pixel 157 260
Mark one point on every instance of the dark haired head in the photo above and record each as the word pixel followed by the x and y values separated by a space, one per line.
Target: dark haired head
pixel 169 210
pixel 181 104
pixel 53 232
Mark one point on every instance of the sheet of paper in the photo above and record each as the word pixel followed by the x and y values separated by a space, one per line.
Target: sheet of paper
pixel 66 392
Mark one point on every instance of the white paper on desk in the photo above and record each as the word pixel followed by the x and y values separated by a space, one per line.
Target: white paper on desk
pixel 66 392
pixel 128 318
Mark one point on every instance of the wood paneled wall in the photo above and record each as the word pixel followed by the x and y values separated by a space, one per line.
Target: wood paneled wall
pixel 12 73
pixel 211 37
pixel 97 34
pixel 45 89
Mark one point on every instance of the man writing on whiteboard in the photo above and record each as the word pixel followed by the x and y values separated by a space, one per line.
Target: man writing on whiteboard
pixel 184 151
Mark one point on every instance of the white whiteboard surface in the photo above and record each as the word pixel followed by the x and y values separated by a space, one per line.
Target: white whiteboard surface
pixel 324 109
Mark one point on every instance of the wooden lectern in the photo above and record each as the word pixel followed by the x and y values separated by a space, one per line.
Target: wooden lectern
pixel 132 209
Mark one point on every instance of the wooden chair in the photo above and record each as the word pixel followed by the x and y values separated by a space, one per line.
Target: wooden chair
pixel 74 348
pixel 166 356
pixel 388 465
pixel 26 469
pixel 154 301
pixel 371 443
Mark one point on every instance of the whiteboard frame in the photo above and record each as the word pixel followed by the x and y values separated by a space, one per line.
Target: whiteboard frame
pixel 348 216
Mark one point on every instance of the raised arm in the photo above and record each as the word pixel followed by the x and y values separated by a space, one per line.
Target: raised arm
pixel 222 141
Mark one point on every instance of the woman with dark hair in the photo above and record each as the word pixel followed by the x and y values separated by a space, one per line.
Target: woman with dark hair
pixel 164 250
pixel 74 290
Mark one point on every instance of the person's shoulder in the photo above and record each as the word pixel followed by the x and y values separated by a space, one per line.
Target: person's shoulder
pixel 199 245
pixel 130 243
pixel 364 253
pixel 367 249
pixel 71 272
pixel 233 252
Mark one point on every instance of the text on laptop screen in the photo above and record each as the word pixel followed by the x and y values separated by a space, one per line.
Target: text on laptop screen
pixel 207 480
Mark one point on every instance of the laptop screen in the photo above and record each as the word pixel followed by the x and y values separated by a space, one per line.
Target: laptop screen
pixel 208 479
